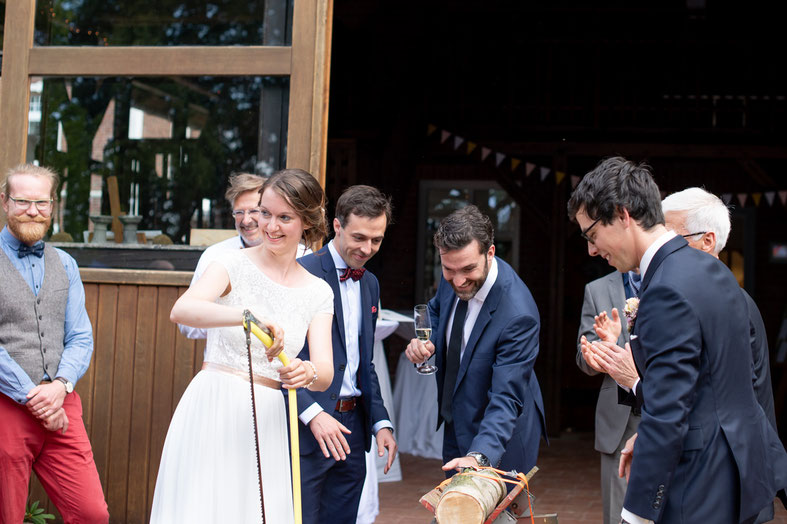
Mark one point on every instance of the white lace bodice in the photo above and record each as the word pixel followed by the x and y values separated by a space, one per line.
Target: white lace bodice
pixel 290 308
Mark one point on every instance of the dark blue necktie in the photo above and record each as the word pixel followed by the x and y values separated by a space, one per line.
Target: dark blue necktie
pixel 452 359
pixel 635 279
pixel 36 249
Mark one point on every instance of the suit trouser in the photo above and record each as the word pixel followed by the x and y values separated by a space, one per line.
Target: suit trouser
pixel 613 488
pixel 331 489
pixel 63 463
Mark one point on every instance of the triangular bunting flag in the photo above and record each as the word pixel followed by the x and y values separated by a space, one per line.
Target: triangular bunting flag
pixel 769 196
pixel 574 181
pixel 458 140
pixel 783 197
pixel 485 153
pixel 515 163
pixel 544 172
pixel 444 136
pixel 559 176
pixel 529 168
pixel 756 197
pixel 471 147
pixel 742 199
pixel 727 198
pixel 499 157
pixel 430 129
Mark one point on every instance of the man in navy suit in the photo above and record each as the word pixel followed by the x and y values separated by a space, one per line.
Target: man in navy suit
pixel 486 341
pixel 337 424
pixel 706 451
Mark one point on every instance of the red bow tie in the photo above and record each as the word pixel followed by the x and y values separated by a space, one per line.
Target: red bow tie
pixel 354 274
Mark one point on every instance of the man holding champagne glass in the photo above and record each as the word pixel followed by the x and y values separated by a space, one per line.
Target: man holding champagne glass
pixel 485 340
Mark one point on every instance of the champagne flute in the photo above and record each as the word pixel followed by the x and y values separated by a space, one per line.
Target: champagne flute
pixel 423 331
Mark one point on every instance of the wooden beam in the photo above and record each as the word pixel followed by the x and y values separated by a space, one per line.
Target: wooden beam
pixel 307 129
pixel 135 276
pixel 299 127
pixel 157 61
pixel 322 78
pixel 15 94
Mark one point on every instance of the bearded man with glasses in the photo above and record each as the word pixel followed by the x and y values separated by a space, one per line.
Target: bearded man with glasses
pixel 46 342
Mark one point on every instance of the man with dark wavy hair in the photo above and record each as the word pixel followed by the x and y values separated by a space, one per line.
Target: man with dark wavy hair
pixel 706 451
pixel 485 338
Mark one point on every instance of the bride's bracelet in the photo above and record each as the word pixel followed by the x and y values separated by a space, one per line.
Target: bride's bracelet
pixel 314 370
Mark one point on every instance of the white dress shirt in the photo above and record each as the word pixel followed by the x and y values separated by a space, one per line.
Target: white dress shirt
pixel 352 308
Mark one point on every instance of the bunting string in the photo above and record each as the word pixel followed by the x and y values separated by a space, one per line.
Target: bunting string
pixel 524 167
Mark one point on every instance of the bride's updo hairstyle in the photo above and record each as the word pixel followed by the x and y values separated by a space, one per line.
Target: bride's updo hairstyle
pixel 304 194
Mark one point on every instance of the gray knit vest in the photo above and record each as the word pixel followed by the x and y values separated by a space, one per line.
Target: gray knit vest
pixel 32 327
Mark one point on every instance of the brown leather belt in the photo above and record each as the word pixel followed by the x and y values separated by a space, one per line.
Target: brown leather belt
pixel 258 379
pixel 346 404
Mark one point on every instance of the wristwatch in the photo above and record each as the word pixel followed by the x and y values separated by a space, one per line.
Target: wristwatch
pixel 69 386
pixel 483 462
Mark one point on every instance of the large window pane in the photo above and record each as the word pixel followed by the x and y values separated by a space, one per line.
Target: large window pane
pixel 438 200
pixel 163 22
pixel 169 142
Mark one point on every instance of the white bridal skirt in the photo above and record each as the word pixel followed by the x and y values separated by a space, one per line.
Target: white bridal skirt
pixel 208 471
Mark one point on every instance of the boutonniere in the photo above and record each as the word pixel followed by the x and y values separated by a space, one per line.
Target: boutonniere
pixel 630 310
pixel 374 310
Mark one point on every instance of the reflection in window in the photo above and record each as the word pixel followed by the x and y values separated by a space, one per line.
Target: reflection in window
pixel 440 199
pixel 170 142
pixel 163 23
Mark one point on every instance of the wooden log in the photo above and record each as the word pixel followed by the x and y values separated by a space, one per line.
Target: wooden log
pixel 470 498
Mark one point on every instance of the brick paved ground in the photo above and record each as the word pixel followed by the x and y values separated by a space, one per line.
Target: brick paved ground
pixel 566 484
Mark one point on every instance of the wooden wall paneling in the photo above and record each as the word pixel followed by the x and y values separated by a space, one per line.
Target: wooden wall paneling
pixel 162 404
pixel 104 369
pixel 142 393
pixel 120 426
pixel 184 365
pixel 86 386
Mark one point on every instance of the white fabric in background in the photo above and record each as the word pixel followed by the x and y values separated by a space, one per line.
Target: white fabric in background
pixel 415 401
pixel 369 506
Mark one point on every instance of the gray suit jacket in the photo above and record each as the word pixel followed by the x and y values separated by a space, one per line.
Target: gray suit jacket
pixel 611 418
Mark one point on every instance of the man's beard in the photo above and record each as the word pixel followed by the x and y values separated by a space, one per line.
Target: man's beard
pixel 467 294
pixel 29 230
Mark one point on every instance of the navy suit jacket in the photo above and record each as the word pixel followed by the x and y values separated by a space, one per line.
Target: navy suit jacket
pixel 706 451
pixel 321 265
pixel 497 406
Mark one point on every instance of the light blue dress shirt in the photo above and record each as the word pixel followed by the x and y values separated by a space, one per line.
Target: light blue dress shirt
pixel 78 332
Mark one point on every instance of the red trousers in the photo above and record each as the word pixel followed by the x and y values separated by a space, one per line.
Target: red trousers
pixel 63 463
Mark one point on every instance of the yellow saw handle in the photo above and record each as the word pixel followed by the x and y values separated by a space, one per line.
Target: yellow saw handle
pixel 295 451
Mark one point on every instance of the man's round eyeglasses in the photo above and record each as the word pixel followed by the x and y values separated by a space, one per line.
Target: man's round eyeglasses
pixel 687 235
pixel 41 205
pixel 241 213
pixel 584 233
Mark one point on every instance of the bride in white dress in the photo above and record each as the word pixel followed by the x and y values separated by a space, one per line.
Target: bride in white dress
pixel 208 470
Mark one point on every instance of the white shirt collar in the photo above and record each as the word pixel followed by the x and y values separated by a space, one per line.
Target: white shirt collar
pixel 338 261
pixel 651 251
pixel 490 281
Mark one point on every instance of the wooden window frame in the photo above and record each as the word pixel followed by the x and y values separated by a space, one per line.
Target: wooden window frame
pixel 306 62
